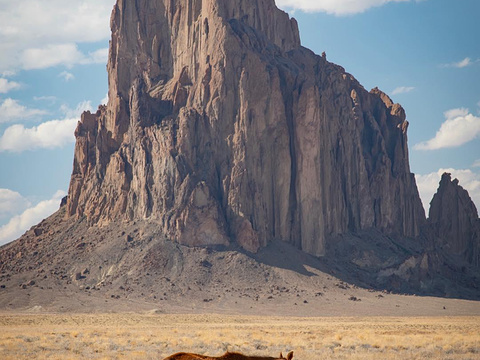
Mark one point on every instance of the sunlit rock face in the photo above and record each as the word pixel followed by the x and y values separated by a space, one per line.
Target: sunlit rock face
pixel 222 128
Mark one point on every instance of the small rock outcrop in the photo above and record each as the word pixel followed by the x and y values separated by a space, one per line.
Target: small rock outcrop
pixel 453 221
pixel 221 127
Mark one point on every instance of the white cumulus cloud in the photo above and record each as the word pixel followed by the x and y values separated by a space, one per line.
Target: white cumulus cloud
pixel 460 127
pixel 403 90
pixel 48 135
pixel 6 86
pixel 99 56
pixel 11 110
pixel 31 216
pixel 336 7
pixel 50 55
pixel 78 110
pixel 60 54
pixel 104 101
pixel 32 27
pixel 428 184
pixel 11 203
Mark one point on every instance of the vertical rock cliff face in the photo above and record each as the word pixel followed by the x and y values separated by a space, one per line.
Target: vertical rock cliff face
pixel 220 127
pixel 453 221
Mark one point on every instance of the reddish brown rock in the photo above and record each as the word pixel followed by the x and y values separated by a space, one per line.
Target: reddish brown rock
pixel 221 127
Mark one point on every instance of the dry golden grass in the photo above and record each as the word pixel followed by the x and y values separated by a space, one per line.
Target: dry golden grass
pixel 136 336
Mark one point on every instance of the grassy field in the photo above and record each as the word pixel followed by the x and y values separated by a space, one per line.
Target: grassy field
pixel 155 336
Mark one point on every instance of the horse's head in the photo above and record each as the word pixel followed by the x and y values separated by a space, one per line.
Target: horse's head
pixel 289 356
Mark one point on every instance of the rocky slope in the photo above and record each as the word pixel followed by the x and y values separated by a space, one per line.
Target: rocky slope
pixel 220 127
pixel 68 266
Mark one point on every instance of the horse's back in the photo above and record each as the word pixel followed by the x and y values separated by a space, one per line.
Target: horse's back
pixel 185 356
pixel 238 356
pixel 226 356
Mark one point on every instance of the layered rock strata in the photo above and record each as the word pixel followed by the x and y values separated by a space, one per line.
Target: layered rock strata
pixel 220 126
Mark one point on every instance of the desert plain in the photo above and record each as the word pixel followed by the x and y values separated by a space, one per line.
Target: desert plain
pixel 153 335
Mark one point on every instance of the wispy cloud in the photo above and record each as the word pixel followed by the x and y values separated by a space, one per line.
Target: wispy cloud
pixel 48 135
pixel 428 184
pixel 67 76
pixel 461 64
pixel 7 73
pixel 460 127
pixel 464 63
pixel 336 7
pixel 476 164
pixel 50 99
pixel 29 217
pixel 403 90
pixel 7 86
pixel 11 110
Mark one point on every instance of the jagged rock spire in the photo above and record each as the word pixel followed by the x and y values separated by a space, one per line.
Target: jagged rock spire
pixel 454 221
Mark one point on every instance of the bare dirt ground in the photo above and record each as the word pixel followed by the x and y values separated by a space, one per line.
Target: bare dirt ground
pixel 341 300
pixel 155 336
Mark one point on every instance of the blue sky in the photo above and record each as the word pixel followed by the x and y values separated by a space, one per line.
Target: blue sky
pixel 425 54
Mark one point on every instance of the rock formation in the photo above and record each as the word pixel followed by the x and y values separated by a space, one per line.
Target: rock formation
pixel 453 221
pixel 221 127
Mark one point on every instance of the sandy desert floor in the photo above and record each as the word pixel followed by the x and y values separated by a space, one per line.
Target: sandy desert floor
pixel 155 336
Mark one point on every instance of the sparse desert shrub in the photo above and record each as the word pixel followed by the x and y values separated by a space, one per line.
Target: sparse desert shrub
pixel 131 337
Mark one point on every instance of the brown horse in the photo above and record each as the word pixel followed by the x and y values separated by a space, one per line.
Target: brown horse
pixel 226 356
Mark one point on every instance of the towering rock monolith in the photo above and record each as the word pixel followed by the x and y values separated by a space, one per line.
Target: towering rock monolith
pixel 453 221
pixel 221 127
